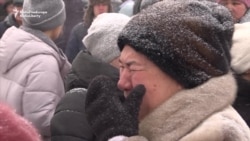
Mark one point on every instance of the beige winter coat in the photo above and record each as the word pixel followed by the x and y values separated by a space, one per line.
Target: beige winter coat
pixel 31 76
pixel 200 114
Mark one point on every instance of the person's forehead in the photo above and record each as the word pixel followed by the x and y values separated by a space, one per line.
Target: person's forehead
pixel 128 54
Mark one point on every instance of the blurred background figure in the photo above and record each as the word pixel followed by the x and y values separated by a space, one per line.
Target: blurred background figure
pixel 116 5
pixel 14 18
pixel 79 31
pixel 240 64
pixel 8 6
pixel 14 127
pixel 142 4
pixel 127 7
pixel 74 13
pixel 3 13
pixel 238 8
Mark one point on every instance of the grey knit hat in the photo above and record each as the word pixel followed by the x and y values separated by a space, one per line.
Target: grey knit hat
pixel 187 39
pixel 101 40
pixel 43 14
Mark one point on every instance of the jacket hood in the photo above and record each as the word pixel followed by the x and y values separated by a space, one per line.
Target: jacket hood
pixel 85 67
pixel 13 52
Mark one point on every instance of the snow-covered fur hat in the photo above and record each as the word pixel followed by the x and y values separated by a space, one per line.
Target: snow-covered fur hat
pixel 187 39
pixel 101 40
pixel 240 51
pixel 14 127
pixel 246 2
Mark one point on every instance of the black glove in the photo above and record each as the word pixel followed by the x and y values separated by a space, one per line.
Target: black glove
pixel 108 113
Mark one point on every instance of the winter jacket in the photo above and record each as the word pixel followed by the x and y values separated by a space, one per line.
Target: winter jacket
pixel 75 45
pixel 8 22
pixel 69 122
pixel 199 114
pixel 32 73
pixel 74 14
pixel 242 102
pixel 3 12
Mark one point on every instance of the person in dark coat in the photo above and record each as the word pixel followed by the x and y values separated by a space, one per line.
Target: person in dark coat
pixel 8 6
pixel 3 13
pixel 74 13
pixel 101 58
pixel 241 66
pixel 74 44
pixel 13 19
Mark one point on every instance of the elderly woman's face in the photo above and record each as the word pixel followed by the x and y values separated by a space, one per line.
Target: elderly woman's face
pixel 136 68
pixel 236 7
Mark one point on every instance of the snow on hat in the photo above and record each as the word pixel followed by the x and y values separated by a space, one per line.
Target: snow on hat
pixel 43 14
pixel 240 51
pixel 246 2
pixel 101 40
pixel 187 39
pixel 15 128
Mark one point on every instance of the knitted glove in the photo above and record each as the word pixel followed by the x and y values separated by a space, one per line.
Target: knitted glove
pixel 108 112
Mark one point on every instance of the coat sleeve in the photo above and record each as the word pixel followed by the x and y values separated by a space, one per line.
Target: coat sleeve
pixel 44 88
pixel 69 122
pixel 74 44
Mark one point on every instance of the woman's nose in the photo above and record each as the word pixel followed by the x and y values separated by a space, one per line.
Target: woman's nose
pixel 124 82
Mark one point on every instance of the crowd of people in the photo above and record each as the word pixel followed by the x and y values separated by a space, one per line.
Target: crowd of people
pixel 131 70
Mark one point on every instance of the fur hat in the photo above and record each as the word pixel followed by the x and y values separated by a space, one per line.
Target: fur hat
pixel 15 128
pixel 240 51
pixel 43 14
pixel 187 39
pixel 89 13
pixel 101 40
pixel 246 2
pixel 94 2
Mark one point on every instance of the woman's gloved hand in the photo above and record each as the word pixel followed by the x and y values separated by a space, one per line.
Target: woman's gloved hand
pixel 108 112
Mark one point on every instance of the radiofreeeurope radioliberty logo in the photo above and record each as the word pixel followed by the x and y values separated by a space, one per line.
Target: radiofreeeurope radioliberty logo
pixel 35 13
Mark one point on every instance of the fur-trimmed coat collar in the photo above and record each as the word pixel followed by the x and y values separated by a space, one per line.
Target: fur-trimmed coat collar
pixel 199 114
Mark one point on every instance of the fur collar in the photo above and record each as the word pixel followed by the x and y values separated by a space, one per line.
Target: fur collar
pixel 187 109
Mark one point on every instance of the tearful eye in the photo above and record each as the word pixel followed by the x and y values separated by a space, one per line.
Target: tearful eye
pixel 132 70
